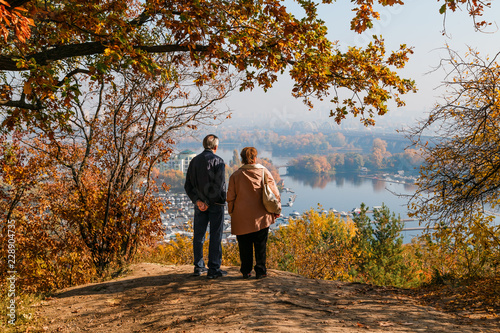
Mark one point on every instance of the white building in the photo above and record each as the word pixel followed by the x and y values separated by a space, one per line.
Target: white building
pixel 178 162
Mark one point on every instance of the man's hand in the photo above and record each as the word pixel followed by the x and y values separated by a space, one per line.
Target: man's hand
pixel 201 205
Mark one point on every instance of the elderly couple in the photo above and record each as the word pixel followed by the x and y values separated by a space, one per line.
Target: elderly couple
pixel 206 187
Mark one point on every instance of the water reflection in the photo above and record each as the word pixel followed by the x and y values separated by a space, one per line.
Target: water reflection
pixel 313 181
pixel 410 187
pixel 339 180
pixel 378 185
pixel 321 181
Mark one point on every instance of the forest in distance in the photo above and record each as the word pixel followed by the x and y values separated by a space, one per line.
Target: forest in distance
pixel 302 137
pixel 320 153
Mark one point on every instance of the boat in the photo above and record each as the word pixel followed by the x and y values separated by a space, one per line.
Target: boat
pixel 291 200
pixel 279 222
pixel 230 239
pixel 356 211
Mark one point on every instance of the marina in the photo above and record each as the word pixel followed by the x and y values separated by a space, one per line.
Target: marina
pixel 179 215
pixel 177 220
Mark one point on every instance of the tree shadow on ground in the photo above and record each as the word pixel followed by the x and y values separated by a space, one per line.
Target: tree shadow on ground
pixel 157 298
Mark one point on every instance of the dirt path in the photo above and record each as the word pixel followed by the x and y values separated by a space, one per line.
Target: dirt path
pixel 157 298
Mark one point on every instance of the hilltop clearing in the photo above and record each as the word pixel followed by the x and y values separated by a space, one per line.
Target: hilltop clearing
pixel 157 298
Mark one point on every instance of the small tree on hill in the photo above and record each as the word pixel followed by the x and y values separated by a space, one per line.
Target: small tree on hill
pixel 380 248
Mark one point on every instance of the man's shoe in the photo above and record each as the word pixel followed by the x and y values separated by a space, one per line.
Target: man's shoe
pixel 216 274
pixel 199 270
pixel 260 276
pixel 247 276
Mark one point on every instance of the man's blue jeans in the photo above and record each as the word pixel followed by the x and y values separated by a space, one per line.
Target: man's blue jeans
pixel 215 215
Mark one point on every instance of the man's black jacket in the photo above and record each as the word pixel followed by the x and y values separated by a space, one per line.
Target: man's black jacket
pixel 205 179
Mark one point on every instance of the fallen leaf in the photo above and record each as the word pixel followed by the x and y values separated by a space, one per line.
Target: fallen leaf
pixel 112 302
pixel 363 325
pixel 385 323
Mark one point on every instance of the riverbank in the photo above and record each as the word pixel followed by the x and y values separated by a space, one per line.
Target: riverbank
pixel 397 178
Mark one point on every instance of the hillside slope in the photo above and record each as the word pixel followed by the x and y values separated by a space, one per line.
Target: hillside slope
pixel 158 298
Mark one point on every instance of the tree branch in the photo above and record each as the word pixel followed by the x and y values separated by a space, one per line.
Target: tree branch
pixel 17 3
pixel 73 72
pixel 21 104
pixel 9 63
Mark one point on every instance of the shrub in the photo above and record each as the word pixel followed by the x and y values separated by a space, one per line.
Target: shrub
pixel 314 245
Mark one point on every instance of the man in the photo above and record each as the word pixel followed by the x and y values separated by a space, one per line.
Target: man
pixel 206 187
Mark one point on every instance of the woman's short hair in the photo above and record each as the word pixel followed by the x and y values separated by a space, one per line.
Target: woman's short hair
pixel 210 141
pixel 248 155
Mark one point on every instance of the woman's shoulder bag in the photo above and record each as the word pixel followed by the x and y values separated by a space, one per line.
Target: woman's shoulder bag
pixel 272 204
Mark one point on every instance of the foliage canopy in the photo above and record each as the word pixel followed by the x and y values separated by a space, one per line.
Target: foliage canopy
pixel 258 39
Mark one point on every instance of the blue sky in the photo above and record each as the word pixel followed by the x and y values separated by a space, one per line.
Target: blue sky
pixel 417 23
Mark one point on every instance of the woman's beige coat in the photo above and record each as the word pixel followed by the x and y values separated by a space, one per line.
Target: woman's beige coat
pixel 244 198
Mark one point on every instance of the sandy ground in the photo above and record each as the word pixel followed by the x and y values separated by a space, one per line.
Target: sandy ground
pixel 159 298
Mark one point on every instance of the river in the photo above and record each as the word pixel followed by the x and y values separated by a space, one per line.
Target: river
pixel 342 192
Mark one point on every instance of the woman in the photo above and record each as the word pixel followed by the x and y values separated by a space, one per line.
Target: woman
pixel 249 219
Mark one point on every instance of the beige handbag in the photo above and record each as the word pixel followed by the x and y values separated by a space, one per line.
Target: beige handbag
pixel 272 204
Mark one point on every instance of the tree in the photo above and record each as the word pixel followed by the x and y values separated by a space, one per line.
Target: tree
pixel 48 252
pixel 316 245
pixel 363 238
pixel 461 164
pixel 410 160
pixel 380 248
pixel 379 153
pixel 310 164
pixel 235 160
pixel 337 140
pixel 459 181
pixel 120 129
pixel 258 39
pixel 266 162
pixel 353 161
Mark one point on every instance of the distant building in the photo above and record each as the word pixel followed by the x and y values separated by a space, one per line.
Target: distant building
pixel 178 162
